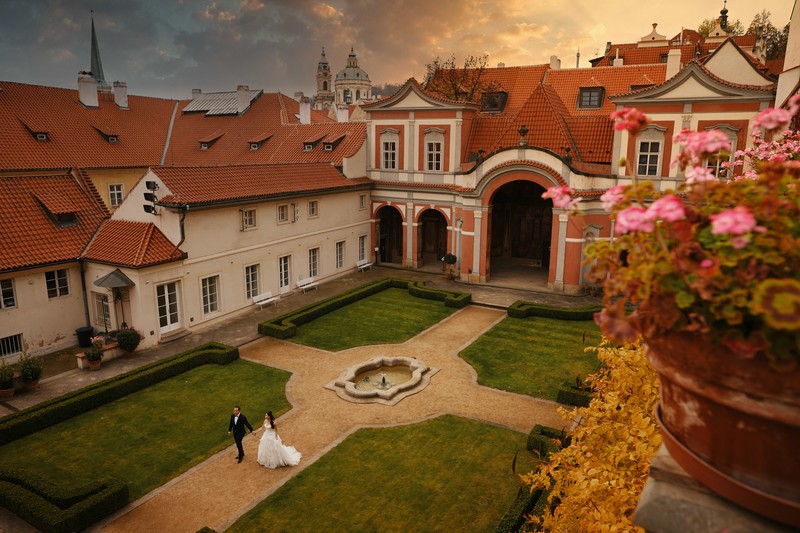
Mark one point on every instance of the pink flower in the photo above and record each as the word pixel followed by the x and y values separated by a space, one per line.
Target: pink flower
pixel 706 263
pixel 772 119
pixel 669 208
pixel 736 221
pixel 630 119
pixel 634 218
pixel 740 241
pixel 561 197
pixel 794 104
pixel 698 144
pixel 612 196
pixel 699 175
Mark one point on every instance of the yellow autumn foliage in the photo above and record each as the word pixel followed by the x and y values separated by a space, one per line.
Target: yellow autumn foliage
pixel 598 479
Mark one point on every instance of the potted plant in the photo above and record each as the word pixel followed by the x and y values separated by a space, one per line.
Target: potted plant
pixel 449 261
pixel 709 276
pixel 6 380
pixel 30 370
pixel 94 354
pixel 128 340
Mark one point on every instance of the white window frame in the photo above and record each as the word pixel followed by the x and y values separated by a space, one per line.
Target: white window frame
pixel 209 293
pixel 313 262
pixel 313 208
pixel 116 193
pixel 283 214
pixel 589 91
pixel 11 345
pixel 251 276
pixel 340 249
pixel 651 134
pixel 362 247
pixel 389 143
pixel 57 282
pixel 434 149
pixel 102 311
pixel 714 162
pixel 362 201
pixel 285 271
pixel 8 298
pixel 248 219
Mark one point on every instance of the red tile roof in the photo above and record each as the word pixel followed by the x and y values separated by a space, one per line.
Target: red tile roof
pixel 633 54
pixel 28 234
pixel 568 82
pixel 208 185
pixel 593 136
pixel 73 139
pixel 131 244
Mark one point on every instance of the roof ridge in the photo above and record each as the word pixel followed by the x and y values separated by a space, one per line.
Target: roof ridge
pixel 141 251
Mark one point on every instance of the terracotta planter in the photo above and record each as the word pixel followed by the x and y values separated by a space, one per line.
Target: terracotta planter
pixel 31 385
pixel 127 354
pixel 733 424
pixel 95 365
pixel 6 394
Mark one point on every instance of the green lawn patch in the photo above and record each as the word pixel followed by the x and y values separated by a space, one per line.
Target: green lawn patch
pixel 445 474
pixel 388 317
pixel 534 355
pixel 148 437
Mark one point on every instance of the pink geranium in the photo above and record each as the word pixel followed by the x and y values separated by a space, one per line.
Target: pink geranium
pixel 773 119
pixel 634 218
pixel 562 197
pixel 736 221
pixel 699 175
pixel 669 208
pixel 629 119
pixel 612 196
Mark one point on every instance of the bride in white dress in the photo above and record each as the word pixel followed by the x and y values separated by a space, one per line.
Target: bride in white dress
pixel 271 451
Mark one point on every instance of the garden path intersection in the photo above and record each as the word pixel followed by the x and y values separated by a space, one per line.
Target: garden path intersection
pixel 218 491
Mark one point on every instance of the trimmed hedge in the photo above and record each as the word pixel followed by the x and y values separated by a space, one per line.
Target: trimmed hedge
pixel 285 326
pixel 569 394
pixel 541 440
pixel 52 509
pixel 521 309
pixel 51 412
pixel 524 504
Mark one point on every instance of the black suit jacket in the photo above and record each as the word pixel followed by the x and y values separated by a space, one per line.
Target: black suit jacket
pixel 238 427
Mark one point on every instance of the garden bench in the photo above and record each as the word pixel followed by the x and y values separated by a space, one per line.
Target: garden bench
pixel 363 265
pixel 306 284
pixel 266 298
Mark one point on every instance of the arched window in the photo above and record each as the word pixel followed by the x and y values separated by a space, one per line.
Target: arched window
pixel 714 162
pixel 434 146
pixel 324 85
pixel 358 95
pixel 650 151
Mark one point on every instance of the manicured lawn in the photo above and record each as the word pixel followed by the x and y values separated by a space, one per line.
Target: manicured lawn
pixel 446 474
pixel 533 355
pixel 389 317
pixel 149 437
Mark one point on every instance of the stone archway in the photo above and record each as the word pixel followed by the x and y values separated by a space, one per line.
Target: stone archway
pixel 432 240
pixel 520 228
pixel 390 235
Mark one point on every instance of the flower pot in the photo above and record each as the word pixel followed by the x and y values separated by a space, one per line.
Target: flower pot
pixel 127 354
pixel 6 394
pixel 95 365
pixel 31 385
pixel 732 423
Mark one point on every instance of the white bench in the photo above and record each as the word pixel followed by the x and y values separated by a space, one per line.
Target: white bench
pixel 363 265
pixel 306 284
pixel 266 298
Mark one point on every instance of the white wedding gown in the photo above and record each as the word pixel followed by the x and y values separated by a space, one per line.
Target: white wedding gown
pixel 272 453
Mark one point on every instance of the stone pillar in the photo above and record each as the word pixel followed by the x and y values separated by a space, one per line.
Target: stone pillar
pixel 558 284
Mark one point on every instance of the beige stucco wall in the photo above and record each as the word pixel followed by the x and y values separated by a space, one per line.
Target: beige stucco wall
pixel 46 324
pixel 728 64
pixel 127 177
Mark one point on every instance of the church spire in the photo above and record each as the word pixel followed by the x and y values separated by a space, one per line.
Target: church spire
pixel 97 65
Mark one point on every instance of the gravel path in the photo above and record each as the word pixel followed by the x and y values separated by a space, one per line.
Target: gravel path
pixel 218 491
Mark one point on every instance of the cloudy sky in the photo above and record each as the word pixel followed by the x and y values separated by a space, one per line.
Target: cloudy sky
pixel 167 47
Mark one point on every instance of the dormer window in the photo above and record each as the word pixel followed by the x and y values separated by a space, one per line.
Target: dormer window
pixel 204 146
pixel 60 211
pixel 590 97
pixel 494 102
pixel 207 141
pixel 258 141
pixel 330 144
pixel 309 144
pixel 253 147
pixel 112 139
pixel 328 147
pixel 42 137
pixel 307 147
pixel 108 134
pixel 37 129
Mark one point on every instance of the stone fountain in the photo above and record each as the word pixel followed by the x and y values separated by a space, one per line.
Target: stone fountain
pixel 385 380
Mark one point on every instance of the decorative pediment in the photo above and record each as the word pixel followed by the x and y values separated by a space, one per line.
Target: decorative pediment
pixel 729 62
pixel 412 96
pixel 695 83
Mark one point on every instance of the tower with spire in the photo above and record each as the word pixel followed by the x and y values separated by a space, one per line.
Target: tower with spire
pixel 96 64
pixel 324 98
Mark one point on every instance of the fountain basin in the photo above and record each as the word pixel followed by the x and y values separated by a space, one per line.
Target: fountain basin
pixel 363 383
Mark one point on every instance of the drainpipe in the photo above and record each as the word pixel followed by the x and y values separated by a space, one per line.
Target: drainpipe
pixel 85 296
pixel 184 210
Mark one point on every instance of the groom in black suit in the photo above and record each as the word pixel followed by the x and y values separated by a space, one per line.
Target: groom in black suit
pixel 237 425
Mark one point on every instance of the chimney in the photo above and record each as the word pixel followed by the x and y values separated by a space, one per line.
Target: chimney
pixel 501 65
pixel 298 95
pixel 305 110
pixel 196 93
pixel 608 46
pixel 673 62
pixel 87 89
pixel 342 113
pixel 617 60
pixel 555 63
pixel 121 94
pixel 242 98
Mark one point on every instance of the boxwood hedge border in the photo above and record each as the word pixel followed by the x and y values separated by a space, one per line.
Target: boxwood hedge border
pixel 522 309
pixel 285 326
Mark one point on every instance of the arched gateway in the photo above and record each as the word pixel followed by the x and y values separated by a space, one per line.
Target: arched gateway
pixel 390 235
